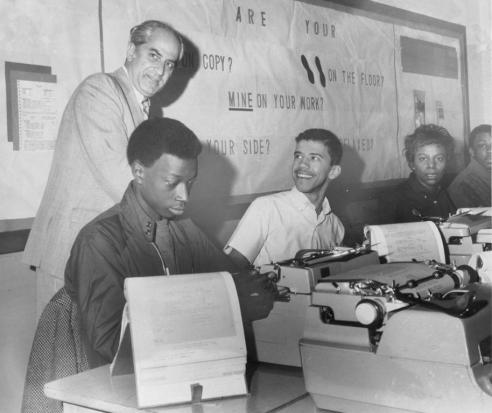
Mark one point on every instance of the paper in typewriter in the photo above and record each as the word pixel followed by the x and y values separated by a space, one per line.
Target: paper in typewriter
pixel 186 330
pixel 406 241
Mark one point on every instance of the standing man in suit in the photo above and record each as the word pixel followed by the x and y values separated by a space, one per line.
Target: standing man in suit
pixel 89 172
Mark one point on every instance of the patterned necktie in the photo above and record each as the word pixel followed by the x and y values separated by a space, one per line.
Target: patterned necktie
pixel 146 106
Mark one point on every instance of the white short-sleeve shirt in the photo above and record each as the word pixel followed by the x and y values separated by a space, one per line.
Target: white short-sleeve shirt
pixel 275 227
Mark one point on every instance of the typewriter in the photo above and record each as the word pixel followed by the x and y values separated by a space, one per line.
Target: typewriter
pixel 277 337
pixel 399 337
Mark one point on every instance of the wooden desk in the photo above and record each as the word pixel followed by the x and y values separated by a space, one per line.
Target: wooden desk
pixel 272 389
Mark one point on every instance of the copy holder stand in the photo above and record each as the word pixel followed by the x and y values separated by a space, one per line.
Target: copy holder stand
pixel 182 337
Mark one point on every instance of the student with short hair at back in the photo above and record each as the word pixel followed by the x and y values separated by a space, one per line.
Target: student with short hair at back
pixel 472 186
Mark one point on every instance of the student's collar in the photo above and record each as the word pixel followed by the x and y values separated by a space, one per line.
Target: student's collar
pixel 478 168
pixel 325 207
pixel 301 201
pixel 146 216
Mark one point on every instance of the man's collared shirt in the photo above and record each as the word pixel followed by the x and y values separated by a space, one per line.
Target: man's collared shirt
pixel 144 101
pixel 275 227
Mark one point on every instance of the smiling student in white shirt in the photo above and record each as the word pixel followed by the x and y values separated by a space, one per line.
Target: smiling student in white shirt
pixel 276 226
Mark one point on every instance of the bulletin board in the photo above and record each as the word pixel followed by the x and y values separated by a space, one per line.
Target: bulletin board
pixel 255 74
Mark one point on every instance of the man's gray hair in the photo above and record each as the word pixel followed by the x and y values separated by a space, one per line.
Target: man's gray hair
pixel 141 33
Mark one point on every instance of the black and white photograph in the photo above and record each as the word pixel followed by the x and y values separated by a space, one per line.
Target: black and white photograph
pixel 246 206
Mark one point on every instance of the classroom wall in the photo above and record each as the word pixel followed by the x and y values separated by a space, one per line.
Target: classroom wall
pixel 17 282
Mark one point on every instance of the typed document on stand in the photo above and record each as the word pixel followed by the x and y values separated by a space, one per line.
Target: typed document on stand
pixel 187 338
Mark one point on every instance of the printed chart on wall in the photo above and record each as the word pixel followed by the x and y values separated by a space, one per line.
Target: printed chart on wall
pixel 266 71
pixel 32 119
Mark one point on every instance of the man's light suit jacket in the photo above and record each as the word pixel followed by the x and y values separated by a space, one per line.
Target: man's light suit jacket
pixel 89 172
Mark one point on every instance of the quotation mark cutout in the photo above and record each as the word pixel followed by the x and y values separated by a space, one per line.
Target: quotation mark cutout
pixel 310 73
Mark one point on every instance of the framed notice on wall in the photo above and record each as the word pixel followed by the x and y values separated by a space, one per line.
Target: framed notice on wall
pixel 31 106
